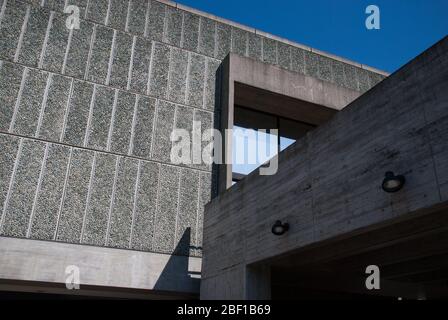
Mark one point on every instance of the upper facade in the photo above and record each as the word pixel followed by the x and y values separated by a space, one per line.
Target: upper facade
pixel 86 116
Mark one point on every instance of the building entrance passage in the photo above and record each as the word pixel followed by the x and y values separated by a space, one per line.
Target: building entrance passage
pixel 412 257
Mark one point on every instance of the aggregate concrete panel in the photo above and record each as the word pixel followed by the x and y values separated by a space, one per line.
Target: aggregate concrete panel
pixel 137 16
pixel 145 207
pixel 166 209
pixel 122 125
pixel 78 52
pixel 254 49
pixel 33 38
pixel 121 58
pixel 270 51
pixel 101 118
pixel 159 70
pixel 206 36
pixel 173 30
pixel 55 108
pixel 196 80
pixel 75 196
pixel 56 5
pixel 177 78
pixel 239 41
pixel 205 188
pixel 223 40
pixel 338 72
pixel 325 69
pixel 22 192
pixel 161 148
pixel 8 156
pixel 50 192
pixel 118 13
pixel 11 27
pixel 99 205
pixel 123 204
pixel 350 76
pixel 143 130
pixel 211 79
pixel 190 34
pixel 311 64
pixel 186 220
pixel 10 79
pixel 298 60
pixel 54 54
pixel 97 10
pixel 78 113
pixel 156 20
pixel 140 65
pixel 206 120
pixel 30 104
pixel 100 54
pixel 284 55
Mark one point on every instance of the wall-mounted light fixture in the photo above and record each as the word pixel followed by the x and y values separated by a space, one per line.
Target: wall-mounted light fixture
pixel 279 228
pixel 392 182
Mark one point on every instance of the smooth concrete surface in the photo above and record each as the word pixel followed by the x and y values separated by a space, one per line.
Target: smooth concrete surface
pixel 329 182
pixel 27 261
pixel 272 89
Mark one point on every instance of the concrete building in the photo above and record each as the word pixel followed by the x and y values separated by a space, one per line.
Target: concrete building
pixel 86 180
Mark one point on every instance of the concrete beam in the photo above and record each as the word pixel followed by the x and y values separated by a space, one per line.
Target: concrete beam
pixel 45 262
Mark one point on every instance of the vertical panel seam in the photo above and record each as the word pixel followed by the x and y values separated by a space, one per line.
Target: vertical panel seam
pixel 44 104
pixel 89 54
pixel 11 182
pixel 22 33
pixel 64 193
pixel 36 194
pixel 67 110
pixel 148 85
pixel 19 98
pixel 112 120
pixel 90 115
pixel 196 238
pixel 148 8
pixel 134 120
pixel 112 52
pixel 156 207
pixel 131 63
pixel 154 122
pixel 112 200
pixel 109 8
pixel 176 224
pixel 128 13
pixel 44 45
pixel 89 196
pixel 67 49
pixel 137 183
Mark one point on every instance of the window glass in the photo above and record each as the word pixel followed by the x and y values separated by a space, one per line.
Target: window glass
pixel 254 144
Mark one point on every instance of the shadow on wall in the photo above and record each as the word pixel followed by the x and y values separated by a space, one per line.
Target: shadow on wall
pixel 176 276
pixel 217 126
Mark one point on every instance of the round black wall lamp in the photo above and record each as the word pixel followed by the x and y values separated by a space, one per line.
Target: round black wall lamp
pixel 279 228
pixel 393 183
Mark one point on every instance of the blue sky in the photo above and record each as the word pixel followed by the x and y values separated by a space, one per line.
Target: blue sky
pixel 408 27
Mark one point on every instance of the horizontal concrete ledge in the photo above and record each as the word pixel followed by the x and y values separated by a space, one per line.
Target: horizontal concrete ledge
pixel 25 261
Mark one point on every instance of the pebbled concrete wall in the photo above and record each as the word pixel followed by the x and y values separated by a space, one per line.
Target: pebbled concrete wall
pixel 85 117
